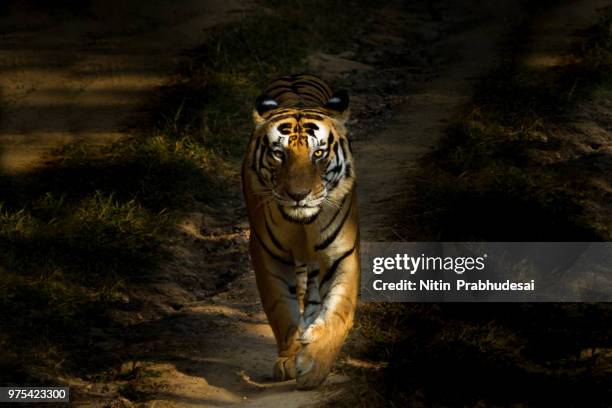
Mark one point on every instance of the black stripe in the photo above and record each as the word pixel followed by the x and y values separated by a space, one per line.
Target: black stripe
pixel 336 169
pixel 281 111
pixel 280 278
pixel 284 128
pixel 269 91
pixel 254 160
pixel 314 93
pixel 313 274
pixel 316 111
pixel 340 316
pixel 270 215
pixel 254 167
pixel 312 116
pixel 337 156
pixel 332 270
pixel 336 214
pixel 313 302
pixel 281 116
pixel 262 156
pixel 343 148
pixel 272 237
pixel 311 313
pixel 279 301
pixel 347 171
pixel 272 254
pixel 282 296
pixel 320 88
pixel 334 234
pixel 292 289
pixel 309 97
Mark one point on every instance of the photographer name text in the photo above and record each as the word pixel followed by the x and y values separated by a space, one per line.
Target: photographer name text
pixel 459 265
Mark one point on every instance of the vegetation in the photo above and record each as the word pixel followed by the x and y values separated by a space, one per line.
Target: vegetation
pixel 76 232
pixel 507 169
pixel 513 167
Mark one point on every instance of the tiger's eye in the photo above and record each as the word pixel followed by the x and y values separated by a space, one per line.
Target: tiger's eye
pixel 318 153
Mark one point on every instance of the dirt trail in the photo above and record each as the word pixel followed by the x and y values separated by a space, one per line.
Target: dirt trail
pixel 557 31
pixel 384 163
pixel 383 160
pixel 418 124
pixel 220 351
pixel 68 77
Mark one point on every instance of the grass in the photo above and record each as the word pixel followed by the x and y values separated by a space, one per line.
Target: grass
pixel 440 355
pixel 511 168
pixel 507 169
pixel 77 232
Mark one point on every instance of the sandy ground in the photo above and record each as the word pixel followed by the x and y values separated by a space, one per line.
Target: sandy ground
pixel 63 85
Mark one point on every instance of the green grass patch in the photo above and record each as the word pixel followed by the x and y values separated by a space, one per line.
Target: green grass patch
pixel 76 232
pixel 211 97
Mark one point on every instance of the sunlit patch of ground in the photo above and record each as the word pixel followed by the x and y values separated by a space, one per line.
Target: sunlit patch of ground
pixel 80 77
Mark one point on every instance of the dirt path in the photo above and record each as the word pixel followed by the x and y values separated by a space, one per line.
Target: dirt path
pixel 417 125
pixel 235 354
pixel 67 77
pixel 216 352
pixel 219 352
pixel 557 31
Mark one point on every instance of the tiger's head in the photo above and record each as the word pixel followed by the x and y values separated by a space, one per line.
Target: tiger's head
pixel 302 156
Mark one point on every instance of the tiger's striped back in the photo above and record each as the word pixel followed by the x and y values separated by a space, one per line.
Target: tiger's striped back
pixel 299 91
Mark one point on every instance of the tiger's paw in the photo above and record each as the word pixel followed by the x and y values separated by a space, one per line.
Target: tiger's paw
pixel 284 368
pixel 314 360
pixel 313 364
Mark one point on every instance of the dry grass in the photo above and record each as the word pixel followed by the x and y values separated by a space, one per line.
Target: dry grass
pixel 507 170
pixel 78 232
pixel 514 167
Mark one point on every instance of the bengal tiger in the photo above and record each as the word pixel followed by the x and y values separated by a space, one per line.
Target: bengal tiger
pixel 299 187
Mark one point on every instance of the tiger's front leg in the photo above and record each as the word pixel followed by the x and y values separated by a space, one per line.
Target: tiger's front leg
pixel 329 316
pixel 276 282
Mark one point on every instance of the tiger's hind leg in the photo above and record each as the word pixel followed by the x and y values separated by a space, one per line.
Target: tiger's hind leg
pixel 276 282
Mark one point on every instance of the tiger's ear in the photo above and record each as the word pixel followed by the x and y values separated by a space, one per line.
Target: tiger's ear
pixel 338 105
pixel 263 104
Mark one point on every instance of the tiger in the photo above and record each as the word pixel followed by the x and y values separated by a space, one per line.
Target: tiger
pixel 299 187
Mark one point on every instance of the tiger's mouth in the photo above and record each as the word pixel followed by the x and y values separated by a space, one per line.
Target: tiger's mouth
pixel 303 214
pixel 304 211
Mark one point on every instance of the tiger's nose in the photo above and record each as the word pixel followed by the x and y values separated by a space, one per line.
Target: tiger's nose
pixel 298 195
